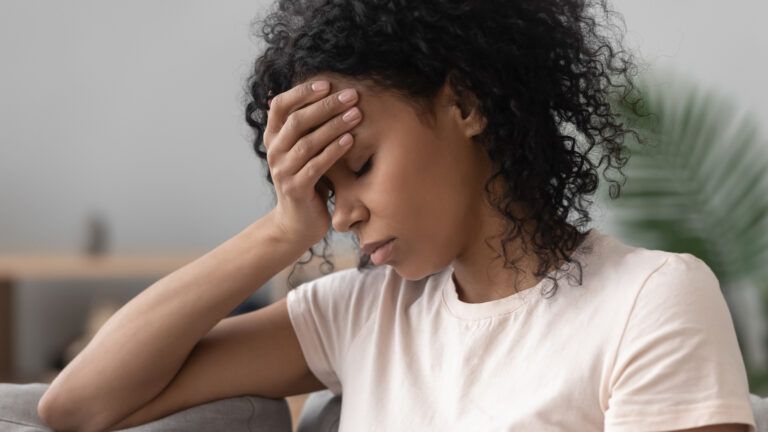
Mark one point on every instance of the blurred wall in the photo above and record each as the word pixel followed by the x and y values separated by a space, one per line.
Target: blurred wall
pixel 722 46
pixel 133 109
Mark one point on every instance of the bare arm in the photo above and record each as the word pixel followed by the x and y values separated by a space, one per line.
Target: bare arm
pixel 256 353
pixel 139 350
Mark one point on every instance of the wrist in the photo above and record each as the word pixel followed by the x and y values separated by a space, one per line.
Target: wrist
pixel 279 234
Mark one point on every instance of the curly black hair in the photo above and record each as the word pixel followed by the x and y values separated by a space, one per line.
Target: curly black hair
pixel 540 71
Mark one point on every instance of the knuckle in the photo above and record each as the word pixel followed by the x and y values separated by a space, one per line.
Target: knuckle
pixel 277 102
pixel 272 161
pixel 328 103
pixel 293 122
pixel 311 168
pixel 304 146
pixel 277 173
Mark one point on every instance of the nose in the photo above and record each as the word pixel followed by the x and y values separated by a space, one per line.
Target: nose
pixel 347 211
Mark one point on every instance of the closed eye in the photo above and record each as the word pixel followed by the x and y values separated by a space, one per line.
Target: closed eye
pixel 359 173
pixel 364 169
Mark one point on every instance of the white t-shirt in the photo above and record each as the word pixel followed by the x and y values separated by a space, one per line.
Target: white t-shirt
pixel 646 343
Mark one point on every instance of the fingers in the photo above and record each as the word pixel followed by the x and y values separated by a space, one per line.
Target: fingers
pixel 311 144
pixel 306 120
pixel 287 102
pixel 309 175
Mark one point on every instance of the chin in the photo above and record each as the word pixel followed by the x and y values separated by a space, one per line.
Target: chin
pixel 413 275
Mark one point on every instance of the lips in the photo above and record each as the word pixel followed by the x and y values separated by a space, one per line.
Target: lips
pixel 369 248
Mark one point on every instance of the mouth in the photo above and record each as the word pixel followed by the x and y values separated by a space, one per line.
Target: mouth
pixel 370 248
pixel 383 253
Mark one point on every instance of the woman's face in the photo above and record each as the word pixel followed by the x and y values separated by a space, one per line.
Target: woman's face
pixel 423 186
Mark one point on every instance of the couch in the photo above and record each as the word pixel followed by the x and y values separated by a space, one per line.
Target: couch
pixel 18 413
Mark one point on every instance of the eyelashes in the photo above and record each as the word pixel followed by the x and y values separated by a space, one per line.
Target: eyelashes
pixel 365 168
pixel 361 172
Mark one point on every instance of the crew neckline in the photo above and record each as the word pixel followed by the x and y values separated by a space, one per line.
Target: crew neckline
pixel 509 304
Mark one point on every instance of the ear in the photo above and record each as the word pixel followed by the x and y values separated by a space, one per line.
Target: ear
pixel 465 111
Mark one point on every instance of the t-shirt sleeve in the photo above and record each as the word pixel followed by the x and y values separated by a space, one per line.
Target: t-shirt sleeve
pixel 318 311
pixel 678 365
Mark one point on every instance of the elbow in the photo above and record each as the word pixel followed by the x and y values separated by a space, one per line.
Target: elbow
pixel 58 416
pixel 51 416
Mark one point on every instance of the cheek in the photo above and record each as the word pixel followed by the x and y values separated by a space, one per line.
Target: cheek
pixel 416 182
pixel 431 200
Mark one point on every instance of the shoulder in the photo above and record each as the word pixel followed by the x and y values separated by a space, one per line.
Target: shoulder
pixel 642 267
pixel 682 279
pixel 680 306
pixel 638 283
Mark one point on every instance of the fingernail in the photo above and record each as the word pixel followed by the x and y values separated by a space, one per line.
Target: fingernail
pixel 347 95
pixel 351 115
pixel 345 140
pixel 320 85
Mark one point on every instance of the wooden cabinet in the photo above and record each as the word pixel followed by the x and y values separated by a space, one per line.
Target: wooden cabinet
pixel 65 272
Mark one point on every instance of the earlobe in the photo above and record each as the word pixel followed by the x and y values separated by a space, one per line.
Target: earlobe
pixel 466 108
pixel 472 121
pixel 477 123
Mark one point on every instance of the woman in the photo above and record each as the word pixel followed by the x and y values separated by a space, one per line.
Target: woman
pixel 457 141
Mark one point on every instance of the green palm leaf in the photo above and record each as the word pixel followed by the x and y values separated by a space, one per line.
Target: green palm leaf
pixel 699 184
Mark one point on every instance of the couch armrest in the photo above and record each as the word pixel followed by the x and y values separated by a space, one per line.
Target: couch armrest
pixel 18 412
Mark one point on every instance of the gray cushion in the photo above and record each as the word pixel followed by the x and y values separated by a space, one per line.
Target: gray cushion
pixel 18 413
pixel 760 410
pixel 321 413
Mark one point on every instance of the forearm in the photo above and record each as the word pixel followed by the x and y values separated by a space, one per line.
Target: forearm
pixel 138 351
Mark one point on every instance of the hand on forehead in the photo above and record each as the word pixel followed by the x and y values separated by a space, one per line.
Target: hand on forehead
pixel 337 84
